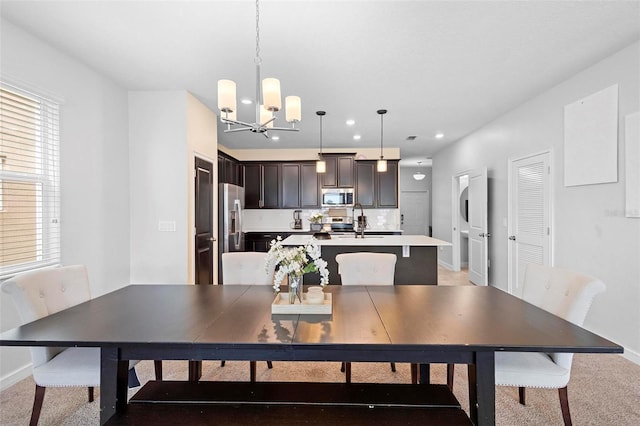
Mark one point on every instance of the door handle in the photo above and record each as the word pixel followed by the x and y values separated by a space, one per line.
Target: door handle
pixel 512 237
pixel 482 234
pixel 212 239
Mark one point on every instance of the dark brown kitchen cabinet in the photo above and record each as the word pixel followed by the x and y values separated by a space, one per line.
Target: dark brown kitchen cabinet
pixel 365 183
pixel 376 190
pixel 258 241
pixel 339 172
pixel 290 185
pixel 309 186
pixel 387 196
pixel 229 169
pixel 262 185
pixel 271 186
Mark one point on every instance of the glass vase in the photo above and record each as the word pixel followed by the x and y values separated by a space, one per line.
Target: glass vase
pixel 295 289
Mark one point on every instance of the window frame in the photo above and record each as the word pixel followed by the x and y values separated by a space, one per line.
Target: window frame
pixel 45 177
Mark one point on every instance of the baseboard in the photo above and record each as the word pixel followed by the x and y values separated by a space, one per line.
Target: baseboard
pixel 445 265
pixel 631 356
pixel 15 376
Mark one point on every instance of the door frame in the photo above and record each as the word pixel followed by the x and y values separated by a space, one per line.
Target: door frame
pixel 510 213
pixel 455 219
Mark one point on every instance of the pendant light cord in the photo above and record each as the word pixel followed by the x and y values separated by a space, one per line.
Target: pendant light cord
pixel 320 136
pixel 381 132
pixel 258 59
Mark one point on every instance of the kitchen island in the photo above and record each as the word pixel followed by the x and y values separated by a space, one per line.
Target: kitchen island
pixel 417 255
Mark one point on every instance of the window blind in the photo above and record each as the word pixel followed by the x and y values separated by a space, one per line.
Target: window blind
pixel 29 181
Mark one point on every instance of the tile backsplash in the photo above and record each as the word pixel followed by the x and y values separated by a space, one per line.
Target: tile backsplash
pixel 256 220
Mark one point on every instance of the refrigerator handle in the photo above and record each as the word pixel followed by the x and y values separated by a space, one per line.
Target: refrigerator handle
pixel 237 209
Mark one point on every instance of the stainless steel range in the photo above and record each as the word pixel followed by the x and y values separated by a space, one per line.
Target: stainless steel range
pixel 340 220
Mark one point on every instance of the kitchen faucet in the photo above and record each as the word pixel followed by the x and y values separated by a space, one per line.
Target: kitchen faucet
pixel 361 230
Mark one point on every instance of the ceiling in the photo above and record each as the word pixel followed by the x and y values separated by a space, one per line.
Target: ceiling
pixel 436 66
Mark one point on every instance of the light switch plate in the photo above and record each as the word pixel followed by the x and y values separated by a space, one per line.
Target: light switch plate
pixel 167 225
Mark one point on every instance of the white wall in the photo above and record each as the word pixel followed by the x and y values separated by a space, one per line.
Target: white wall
pixel 158 189
pixel 591 233
pixel 94 169
pixel 166 130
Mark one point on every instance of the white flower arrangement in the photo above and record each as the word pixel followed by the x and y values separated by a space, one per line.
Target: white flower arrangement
pixel 296 261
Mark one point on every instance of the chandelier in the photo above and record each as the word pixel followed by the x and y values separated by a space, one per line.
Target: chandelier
pixel 268 100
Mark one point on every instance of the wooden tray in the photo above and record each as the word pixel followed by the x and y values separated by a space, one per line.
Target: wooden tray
pixel 281 305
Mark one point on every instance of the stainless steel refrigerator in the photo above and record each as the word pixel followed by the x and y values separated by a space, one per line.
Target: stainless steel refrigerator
pixel 230 235
pixel 231 204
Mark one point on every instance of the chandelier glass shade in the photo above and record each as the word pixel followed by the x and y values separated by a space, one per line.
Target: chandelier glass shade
pixel 268 100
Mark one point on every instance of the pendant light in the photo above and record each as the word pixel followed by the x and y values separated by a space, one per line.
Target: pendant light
pixel 321 165
pixel 419 175
pixel 382 163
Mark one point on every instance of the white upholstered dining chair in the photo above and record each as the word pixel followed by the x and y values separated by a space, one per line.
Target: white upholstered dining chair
pixel 566 294
pixel 365 268
pixel 44 292
pixel 247 268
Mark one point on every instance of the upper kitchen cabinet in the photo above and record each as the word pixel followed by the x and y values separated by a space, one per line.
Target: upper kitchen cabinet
pixel 262 185
pixel 300 187
pixel 365 183
pixel 387 196
pixel 340 173
pixel 286 185
pixel 290 185
pixel 229 170
pixel 309 186
pixel 376 190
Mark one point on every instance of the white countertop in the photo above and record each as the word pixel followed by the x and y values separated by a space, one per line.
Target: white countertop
pixel 370 240
pixel 308 231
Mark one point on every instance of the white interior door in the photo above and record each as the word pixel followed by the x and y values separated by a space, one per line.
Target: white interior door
pixel 414 212
pixel 529 216
pixel 478 229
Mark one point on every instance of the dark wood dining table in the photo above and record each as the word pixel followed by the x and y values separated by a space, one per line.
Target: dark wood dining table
pixel 413 324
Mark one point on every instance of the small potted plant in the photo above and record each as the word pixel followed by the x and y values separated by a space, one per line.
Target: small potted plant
pixel 316 222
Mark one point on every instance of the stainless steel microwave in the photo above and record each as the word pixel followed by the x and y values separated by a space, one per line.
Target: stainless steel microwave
pixel 337 197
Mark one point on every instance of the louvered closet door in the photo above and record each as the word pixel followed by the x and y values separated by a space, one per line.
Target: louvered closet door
pixel 530 232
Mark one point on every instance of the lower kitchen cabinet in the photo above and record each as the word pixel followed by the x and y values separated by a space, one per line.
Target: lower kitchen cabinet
pixel 259 241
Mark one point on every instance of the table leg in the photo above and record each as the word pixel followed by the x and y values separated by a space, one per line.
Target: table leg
pixel 482 389
pixel 425 374
pixel 113 383
pixel 195 370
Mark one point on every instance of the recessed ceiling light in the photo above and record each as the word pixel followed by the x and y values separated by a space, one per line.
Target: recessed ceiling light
pixel 275 138
pixel 350 122
pixel 356 137
pixel 246 101
pixel 439 135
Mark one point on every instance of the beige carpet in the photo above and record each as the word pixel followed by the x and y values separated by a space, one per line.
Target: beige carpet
pixel 604 390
